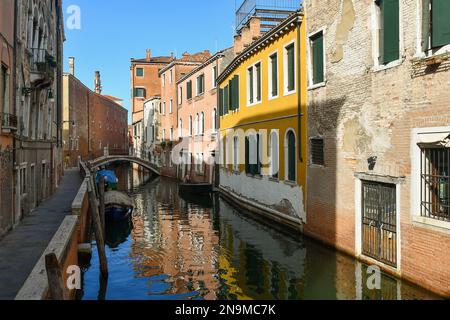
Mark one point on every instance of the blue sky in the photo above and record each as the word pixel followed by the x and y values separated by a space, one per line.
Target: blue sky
pixel 113 31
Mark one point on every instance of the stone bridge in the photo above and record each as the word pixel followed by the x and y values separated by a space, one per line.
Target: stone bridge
pixel 103 161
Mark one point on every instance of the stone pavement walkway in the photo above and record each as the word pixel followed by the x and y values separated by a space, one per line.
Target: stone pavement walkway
pixel 22 247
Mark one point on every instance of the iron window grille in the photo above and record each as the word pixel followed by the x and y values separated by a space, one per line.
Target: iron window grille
pixel 317 151
pixel 435 183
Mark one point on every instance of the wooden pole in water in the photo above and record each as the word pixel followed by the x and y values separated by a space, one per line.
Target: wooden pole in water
pixel 54 276
pixel 101 191
pixel 98 230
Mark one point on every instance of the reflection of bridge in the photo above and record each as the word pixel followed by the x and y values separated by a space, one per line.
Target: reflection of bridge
pixel 103 161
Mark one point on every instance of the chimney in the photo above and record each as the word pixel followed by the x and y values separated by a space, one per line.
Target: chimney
pixel 172 55
pixel 238 46
pixel 251 31
pixel 72 66
pixel 97 83
pixel 148 54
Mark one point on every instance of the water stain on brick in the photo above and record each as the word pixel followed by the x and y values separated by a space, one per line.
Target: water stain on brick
pixel 343 29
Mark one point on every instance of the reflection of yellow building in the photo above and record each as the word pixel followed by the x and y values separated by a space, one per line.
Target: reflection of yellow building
pixel 262 103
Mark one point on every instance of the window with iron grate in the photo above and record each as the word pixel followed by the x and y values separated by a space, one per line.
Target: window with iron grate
pixel 317 151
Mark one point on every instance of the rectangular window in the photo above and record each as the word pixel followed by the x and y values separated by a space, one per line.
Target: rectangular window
pixel 189 90
pixel 139 92
pixel 317 151
pixel 250 85
pixel 258 81
pixel 214 77
pixel 200 84
pixel 139 72
pixel 254 84
pixel 171 76
pixel 4 88
pixel 273 76
pixel 226 100
pixel 221 111
pixel 317 57
pixel 164 80
pixel 290 68
pixel 180 95
pixel 234 93
pixel 436 23
pixel 389 38
pixel 435 183
pixel 171 106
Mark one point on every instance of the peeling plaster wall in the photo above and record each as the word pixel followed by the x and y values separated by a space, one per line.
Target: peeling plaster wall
pixel 279 196
pixel 366 110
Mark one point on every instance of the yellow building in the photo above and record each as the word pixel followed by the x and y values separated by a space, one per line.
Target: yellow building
pixel 263 118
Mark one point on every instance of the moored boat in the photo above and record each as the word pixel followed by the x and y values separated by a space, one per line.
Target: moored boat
pixel 109 177
pixel 118 205
pixel 196 188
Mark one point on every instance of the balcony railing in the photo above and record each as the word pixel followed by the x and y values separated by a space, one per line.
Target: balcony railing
pixel 271 10
pixel 8 121
pixel 42 62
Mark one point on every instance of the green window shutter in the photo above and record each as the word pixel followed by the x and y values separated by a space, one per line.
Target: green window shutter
pixel 291 67
pixel 236 92
pixel 189 90
pixel 226 100
pixel 247 155
pixel 426 28
pixel 258 82
pixel 250 80
pixel 221 102
pixel 231 94
pixel 317 48
pixel 291 156
pixel 441 22
pixel 274 63
pixel 391 30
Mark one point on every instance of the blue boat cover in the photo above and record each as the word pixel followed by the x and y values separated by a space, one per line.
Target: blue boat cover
pixel 109 175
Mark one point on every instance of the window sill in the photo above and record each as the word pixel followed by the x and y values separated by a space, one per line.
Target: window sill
pixel 317 166
pixel 317 85
pixel 290 183
pixel 273 97
pixel 431 222
pixel 249 105
pixel 289 93
pixel 390 65
pixel 276 180
pixel 256 176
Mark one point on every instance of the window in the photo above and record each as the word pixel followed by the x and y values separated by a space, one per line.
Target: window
pixel 200 84
pixel 317 58
pixel 273 75
pixel 164 80
pixel 190 126
pixel 226 100
pixel 171 134
pixel 197 124
pixel 4 90
pixel 291 156
pixel 252 154
pixel 214 77
pixel 139 72
pixel 180 128
pixel 436 24
pixel 164 134
pixel 139 92
pixel 202 124
pixel 435 182
pixel 164 108
pixel 171 106
pixel 180 95
pixel 289 69
pixel 254 84
pixel 274 155
pixel 317 151
pixel 214 120
pixel 23 180
pixel 199 163
pixel 236 153
pixel 389 30
pixel 233 87
pixel 189 90
pixel 171 76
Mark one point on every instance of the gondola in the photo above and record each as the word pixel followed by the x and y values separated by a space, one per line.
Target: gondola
pixel 196 188
pixel 118 205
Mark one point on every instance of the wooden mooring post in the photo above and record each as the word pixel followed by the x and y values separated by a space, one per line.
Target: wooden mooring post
pixel 54 276
pixel 98 229
pixel 101 196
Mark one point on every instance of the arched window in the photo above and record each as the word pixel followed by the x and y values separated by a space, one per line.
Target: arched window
pixel 236 153
pixel 252 154
pixel 202 124
pixel 214 120
pixel 197 124
pixel 190 126
pixel 274 155
pixel 290 156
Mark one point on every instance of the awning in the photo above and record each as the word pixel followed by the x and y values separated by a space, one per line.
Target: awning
pixel 434 140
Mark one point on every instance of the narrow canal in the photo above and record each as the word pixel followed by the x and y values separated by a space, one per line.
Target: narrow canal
pixel 200 248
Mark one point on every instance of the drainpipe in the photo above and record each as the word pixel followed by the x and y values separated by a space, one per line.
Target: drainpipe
pixel 14 77
pixel 299 93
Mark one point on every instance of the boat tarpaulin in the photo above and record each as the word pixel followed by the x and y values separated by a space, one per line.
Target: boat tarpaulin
pixel 109 175
pixel 118 198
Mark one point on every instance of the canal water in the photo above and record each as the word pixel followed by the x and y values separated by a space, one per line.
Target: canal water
pixel 178 247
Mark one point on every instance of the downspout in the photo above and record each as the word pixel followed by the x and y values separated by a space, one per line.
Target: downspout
pixel 14 77
pixel 299 93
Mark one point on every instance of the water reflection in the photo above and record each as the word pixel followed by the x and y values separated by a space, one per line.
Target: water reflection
pixel 202 248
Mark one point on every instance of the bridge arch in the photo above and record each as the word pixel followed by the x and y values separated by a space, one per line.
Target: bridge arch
pixel 103 161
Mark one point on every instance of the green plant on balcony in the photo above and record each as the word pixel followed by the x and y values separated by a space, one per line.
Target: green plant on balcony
pixel 170 144
pixel 163 144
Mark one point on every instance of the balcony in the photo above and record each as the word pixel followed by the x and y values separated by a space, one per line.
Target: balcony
pixel 271 12
pixel 8 122
pixel 42 65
